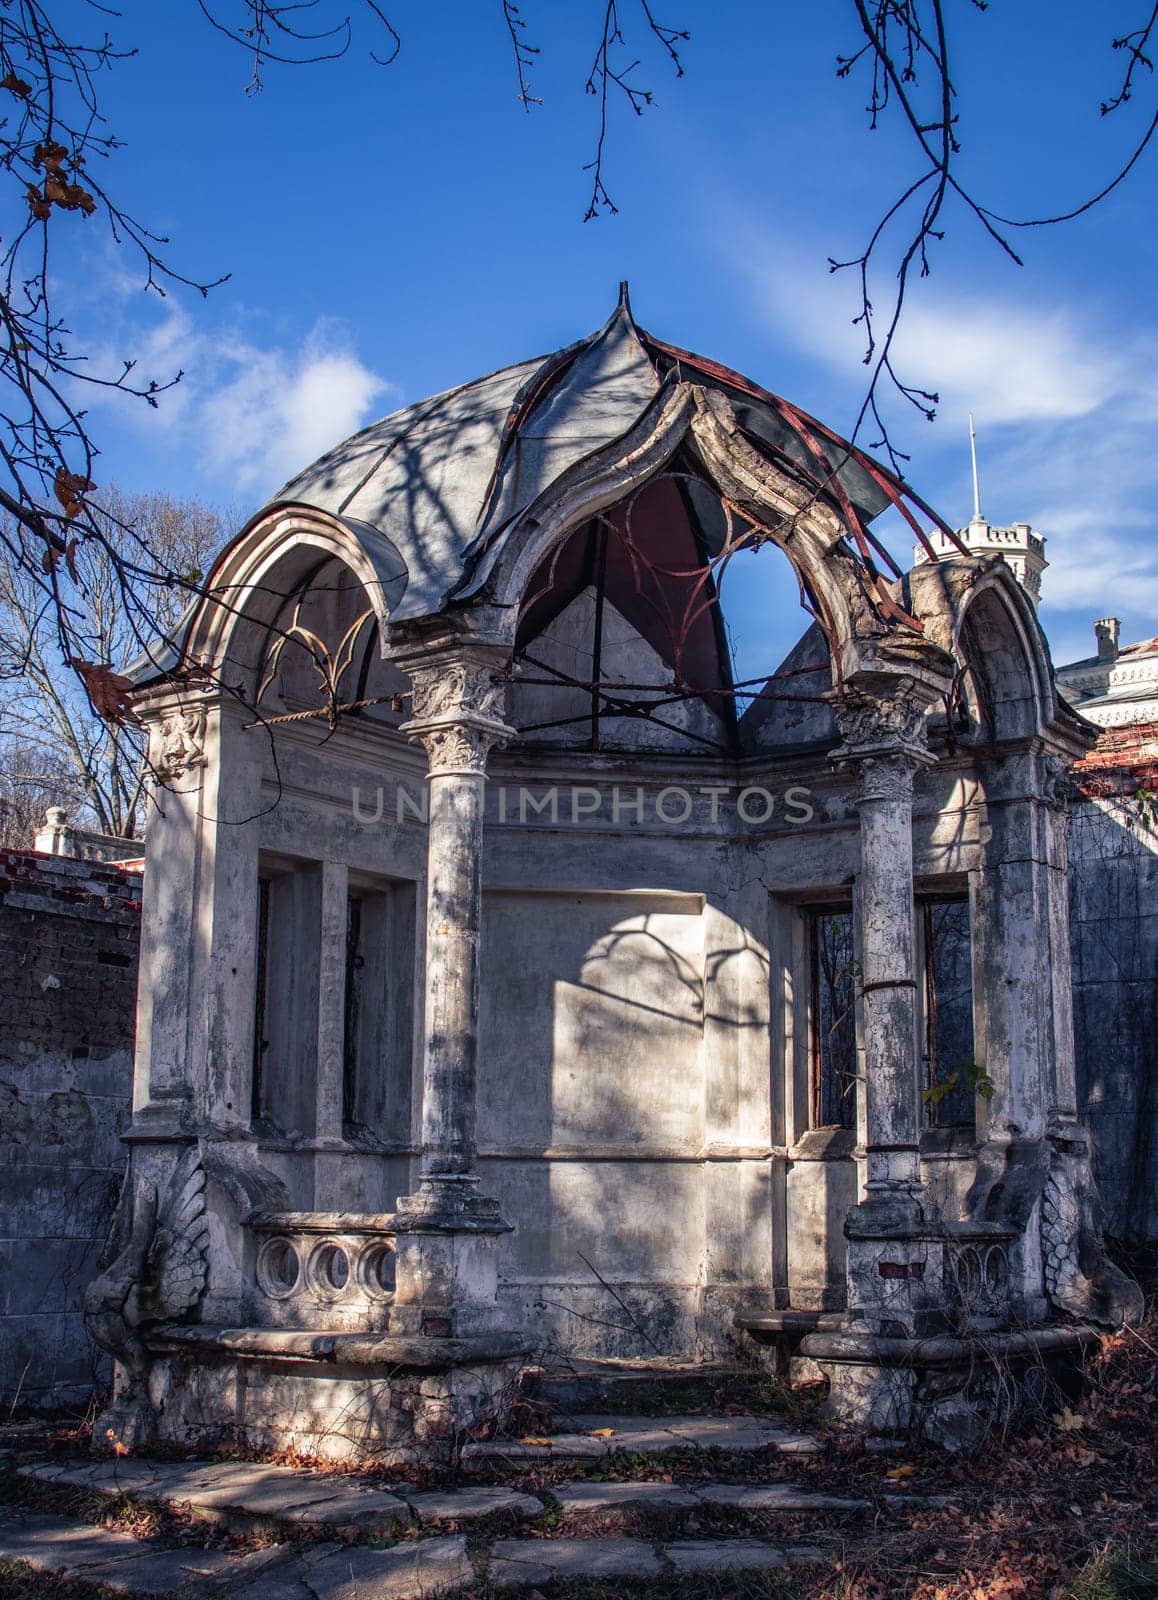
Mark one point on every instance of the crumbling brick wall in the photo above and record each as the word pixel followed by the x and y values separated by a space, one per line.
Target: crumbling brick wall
pixel 69 933
pixel 1113 850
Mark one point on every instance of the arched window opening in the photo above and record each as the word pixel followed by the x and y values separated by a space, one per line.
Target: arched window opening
pixel 667 622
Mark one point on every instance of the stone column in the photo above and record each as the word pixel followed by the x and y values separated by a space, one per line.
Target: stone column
pixel 458 706
pixel 889 1270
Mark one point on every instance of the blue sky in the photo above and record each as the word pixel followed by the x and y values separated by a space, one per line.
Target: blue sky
pixel 393 231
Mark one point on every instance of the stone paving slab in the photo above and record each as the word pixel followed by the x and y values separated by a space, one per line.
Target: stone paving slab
pixel 465 1505
pixel 117 1560
pixel 54 1544
pixel 562 1447
pixel 195 1572
pixel 724 1555
pixel 691 1433
pixel 249 1489
pixel 776 1497
pixel 409 1571
pixel 534 1561
pixel 583 1499
pixel 652 1434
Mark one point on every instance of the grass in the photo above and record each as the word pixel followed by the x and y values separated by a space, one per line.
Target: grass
pixel 1116 1572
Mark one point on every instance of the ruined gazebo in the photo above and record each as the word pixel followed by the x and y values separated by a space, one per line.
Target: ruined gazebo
pixel 521 982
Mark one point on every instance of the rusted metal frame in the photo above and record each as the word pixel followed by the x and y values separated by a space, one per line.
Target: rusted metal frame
pixel 818 611
pixel 852 519
pixel 559 676
pixel 895 487
pixel 663 700
pixel 723 651
pixel 628 710
pixel 549 583
pixel 326 711
pixel 606 688
pixel 273 626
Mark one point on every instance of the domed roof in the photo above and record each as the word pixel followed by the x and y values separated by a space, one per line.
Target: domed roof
pixel 442 479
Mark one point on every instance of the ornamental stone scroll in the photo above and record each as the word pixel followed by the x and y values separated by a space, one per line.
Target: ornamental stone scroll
pixel 884 718
pixel 458 705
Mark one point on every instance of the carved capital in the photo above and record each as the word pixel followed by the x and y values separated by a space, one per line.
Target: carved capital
pixel 181 740
pixel 1056 782
pixel 458 708
pixel 892 717
pixel 456 747
pixel 886 777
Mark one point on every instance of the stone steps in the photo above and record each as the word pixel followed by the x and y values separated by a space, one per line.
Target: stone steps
pixel 247 1495
pixel 409 1570
pixel 446 1539
pixel 596 1435
pixel 587 1385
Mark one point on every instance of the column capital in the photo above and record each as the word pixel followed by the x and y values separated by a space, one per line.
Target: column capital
pixel 458 700
pixel 884 720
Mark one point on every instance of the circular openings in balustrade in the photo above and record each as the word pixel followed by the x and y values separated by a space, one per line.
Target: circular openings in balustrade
pixel 376 1271
pixel 279 1269
pixel 969 1275
pixel 328 1270
pixel 996 1270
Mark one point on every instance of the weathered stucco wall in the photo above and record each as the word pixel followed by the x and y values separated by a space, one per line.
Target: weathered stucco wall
pixel 1114 932
pixel 69 932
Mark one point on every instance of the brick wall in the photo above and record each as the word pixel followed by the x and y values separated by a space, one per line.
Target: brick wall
pixel 1114 935
pixel 69 932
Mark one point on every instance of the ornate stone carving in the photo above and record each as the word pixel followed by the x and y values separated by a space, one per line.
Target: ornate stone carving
pixel 459 747
pixel 160 1275
pixel 182 739
pixel 457 688
pixel 1056 782
pixel 458 713
pixel 1079 1276
pixel 895 715
pixel 886 777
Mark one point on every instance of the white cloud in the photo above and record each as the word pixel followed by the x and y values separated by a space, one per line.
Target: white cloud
pixel 277 410
pixel 1009 360
pixel 1066 404
pixel 1008 363
pixel 251 414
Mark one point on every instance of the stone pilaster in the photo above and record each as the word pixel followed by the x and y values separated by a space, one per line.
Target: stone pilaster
pixel 458 702
pixel 891 1271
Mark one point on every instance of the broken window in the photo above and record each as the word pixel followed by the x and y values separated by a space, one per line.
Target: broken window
pixel 947 958
pixel 834 973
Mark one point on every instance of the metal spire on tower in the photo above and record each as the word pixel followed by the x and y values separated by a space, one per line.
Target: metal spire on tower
pixel 977 517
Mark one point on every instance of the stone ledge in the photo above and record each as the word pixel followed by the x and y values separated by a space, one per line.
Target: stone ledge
pixel 874 1349
pixel 337 1349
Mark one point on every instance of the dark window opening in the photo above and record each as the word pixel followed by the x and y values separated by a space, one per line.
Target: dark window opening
pixel 260 1001
pixel 834 974
pixel 355 966
pixel 951 1072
